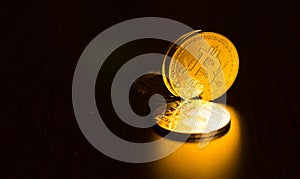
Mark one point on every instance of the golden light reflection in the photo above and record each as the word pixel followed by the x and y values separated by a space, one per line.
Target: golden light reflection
pixel 219 159
pixel 193 117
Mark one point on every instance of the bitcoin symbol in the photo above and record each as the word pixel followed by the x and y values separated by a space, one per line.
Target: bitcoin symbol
pixel 208 61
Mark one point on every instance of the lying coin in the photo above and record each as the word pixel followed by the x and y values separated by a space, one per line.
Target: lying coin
pixel 205 65
pixel 196 117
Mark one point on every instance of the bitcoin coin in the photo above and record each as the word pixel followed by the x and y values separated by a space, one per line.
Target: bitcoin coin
pixel 195 117
pixel 205 65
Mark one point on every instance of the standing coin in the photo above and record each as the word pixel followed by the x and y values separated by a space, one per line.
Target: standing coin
pixel 205 65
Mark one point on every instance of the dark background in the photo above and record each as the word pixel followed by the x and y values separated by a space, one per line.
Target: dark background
pixel 41 42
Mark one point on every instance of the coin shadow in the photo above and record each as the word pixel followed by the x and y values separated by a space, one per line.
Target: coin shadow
pixel 144 88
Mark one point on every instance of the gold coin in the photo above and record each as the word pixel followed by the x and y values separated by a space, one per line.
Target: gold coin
pixel 194 117
pixel 205 65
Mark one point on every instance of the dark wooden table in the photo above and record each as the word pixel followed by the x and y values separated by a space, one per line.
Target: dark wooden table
pixel 42 42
